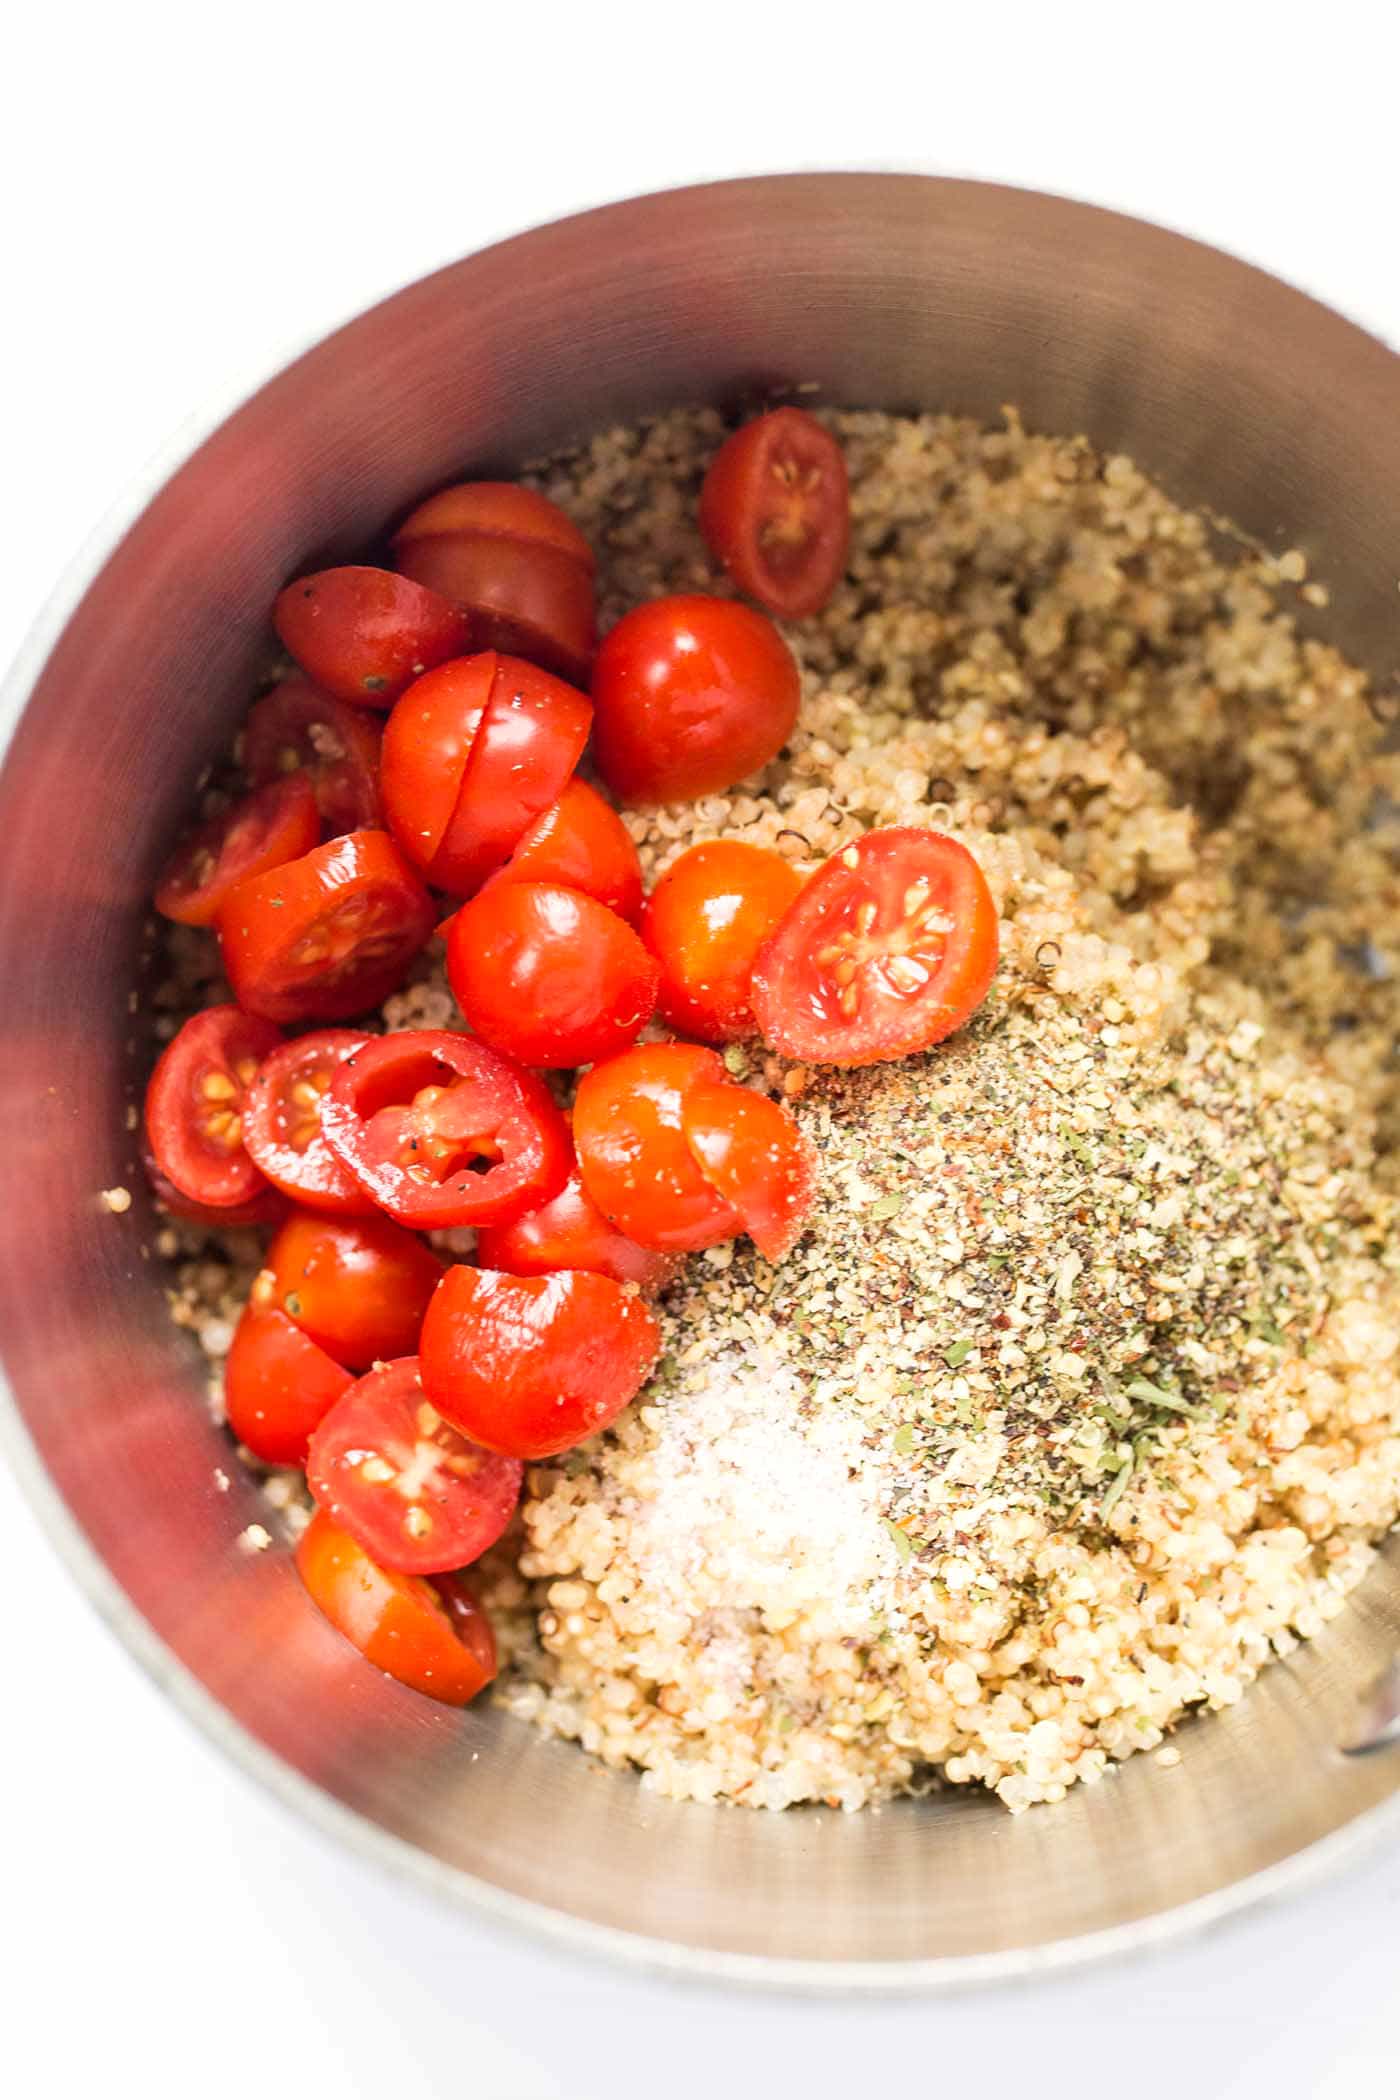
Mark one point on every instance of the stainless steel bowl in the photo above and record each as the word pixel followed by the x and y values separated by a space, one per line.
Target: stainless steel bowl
pixel 1243 396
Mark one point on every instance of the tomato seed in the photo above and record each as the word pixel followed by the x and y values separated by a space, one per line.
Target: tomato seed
pixel 417 1523
pixel 376 1471
pixel 217 1086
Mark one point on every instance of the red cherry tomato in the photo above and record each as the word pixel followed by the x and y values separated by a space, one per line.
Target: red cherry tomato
pixel 282 1122
pixel 297 728
pixel 889 948
pixel 776 510
pixel 441 1130
pixel 754 1153
pixel 358 1286
pixel 570 1232
pixel 427 741
pixel 705 921
pixel 277 1385
pixel 419 1496
pixel 548 975
pixel 365 634
pixel 327 936
pixel 194 1107
pixel 691 694
pixel 581 843
pixel 530 1365
pixel 432 1636
pixel 267 1207
pixel 519 567
pixel 273 825
pixel 632 1153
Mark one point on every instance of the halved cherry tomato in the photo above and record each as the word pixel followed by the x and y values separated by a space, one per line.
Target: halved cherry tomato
pixel 194 1107
pixel 754 1152
pixel 427 741
pixel 632 1153
pixel 691 694
pixel 889 948
pixel 282 1122
pixel 776 510
pixel 582 843
pixel 705 921
pixel 441 1130
pixel 431 1636
pixel 268 1207
pixel 570 1232
pixel 530 1365
pixel 520 568
pixel 548 975
pixel 358 1286
pixel 298 728
pixel 365 634
pixel 417 1494
pixel 327 936
pixel 272 825
pixel 278 1384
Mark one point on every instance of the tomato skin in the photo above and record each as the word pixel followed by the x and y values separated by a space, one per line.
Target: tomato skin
pixel 364 634
pixel 278 1384
pixel 328 936
pixel 194 1107
pixel 409 1114
pixel 755 1154
pixel 500 510
pixel 691 694
pixel 282 1122
pixel 632 1152
pixel 296 727
pixel 775 508
pixel 570 1232
pixel 581 843
pixel 943 944
pixel 705 922
pixel 358 1286
pixel 273 825
pixel 548 975
pixel 268 1207
pixel 447 1499
pixel 531 1365
pixel 532 734
pixel 432 1637
pixel 427 741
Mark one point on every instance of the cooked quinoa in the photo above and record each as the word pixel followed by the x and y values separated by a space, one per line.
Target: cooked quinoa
pixel 1078 1399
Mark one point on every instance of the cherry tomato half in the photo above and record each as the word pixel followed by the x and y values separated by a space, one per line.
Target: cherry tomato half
pixel 632 1153
pixel 282 1122
pixel 531 1365
pixel 755 1154
pixel 776 510
pixel 440 1129
pixel 267 1207
pixel 365 634
pixel 327 936
pixel 418 1495
pixel 358 1286
pixel 499 510
pixel 582 843
pixel 431 1636
pixel 691 694
pixel 705 921
pixel 278 1384
pixel 298 728
pixel 570 1232
pixel 548 975
pixel 272 825
pixel 890 947
pixel 194 1107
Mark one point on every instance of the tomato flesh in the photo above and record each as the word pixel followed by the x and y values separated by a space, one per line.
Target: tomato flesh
pixel 298 728
pixel 282 1122
pixel 274 824
pixel 278 1384
pixel 570 1232
pixel 705 922
pixel 419 1496
pixel 775 508
pixel 753 1152
pixel 358 1286
pixel 632 1152
pixel 195 1104
pixel 531 1365
pixel 549 975
pixel 364 634
pixel 581 843
pixel 431 1636
pixel 890 947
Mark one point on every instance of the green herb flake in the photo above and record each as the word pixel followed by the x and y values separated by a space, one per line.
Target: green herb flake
pixel 886 1207
pixel 1114 1493
pixel 736 1060
pixel 905 1440
pixel 956 1353
pixel 997 1261
pixel 1154 1395
pixel 293 1304
pixel 903 1544
pixel 1268 1330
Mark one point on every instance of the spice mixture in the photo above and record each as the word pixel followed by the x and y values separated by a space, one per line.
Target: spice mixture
pixel 1079 1398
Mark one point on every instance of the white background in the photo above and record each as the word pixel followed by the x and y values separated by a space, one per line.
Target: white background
pixel 188 192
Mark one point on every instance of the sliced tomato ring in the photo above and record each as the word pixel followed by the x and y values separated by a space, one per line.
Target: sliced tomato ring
pixel 581 843
pixel 889 948
pixel 274 824
pixel 531 737
pixel 364 634
pixel 570 1232
pixel 440 1130
pixel 775 509
pixel 417 1494
pixel 358 1286
pixel 500 509
pixel 431 1636
pixel 632 1152
pixel 754 1153
pixel 278 1384
pixel 427 741
pixel 329 935
pixel 267 1207
pixel 297 728
pixel 194 1107
pixel 282 1122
